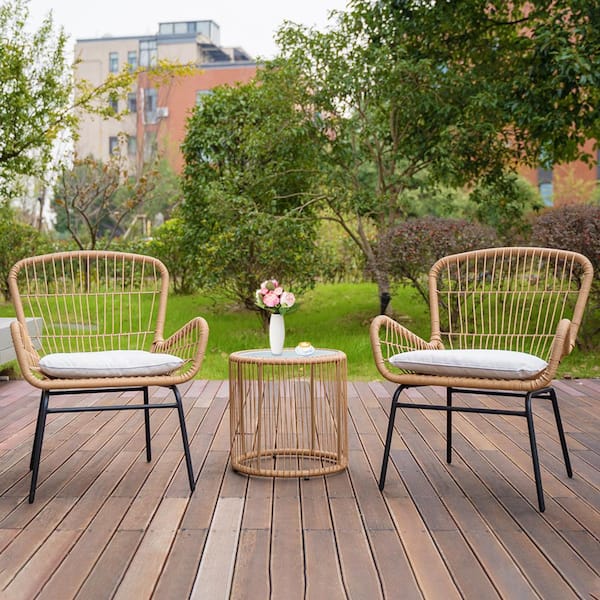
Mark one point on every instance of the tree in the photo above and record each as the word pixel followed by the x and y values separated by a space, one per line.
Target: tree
pixel 417 94
pixel 94 201
pixel 249 163
pixel 166 196
pixel 537 62
pixel 35 92
pixel 503 203
pixel 39 101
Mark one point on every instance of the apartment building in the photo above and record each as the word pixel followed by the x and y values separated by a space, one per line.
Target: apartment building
pixel 154 116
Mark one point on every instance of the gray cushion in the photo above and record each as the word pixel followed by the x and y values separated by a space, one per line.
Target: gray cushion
pixel 109 363
pixel 491 364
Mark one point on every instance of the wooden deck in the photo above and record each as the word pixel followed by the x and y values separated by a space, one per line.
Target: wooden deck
pixel 107 524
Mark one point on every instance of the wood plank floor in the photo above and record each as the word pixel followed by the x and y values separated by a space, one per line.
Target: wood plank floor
pixel 107 524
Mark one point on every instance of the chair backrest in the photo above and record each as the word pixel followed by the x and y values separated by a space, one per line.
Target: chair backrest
pixel 91 300
pixel 508 298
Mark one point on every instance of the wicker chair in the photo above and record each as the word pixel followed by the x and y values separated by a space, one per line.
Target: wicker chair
pixel 501 321
pixel 103 315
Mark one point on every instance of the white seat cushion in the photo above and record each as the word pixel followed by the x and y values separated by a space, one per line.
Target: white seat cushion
pixel 110 363
pixel 491 364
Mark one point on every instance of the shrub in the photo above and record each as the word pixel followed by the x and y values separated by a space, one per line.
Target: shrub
pixel 17 240
pixel 168 246
pixel 408 251
pixel 576 228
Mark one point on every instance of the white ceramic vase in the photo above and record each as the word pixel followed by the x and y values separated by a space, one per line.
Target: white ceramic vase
pixel 276 333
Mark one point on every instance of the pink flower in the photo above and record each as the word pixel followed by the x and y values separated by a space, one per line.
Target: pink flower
pixel 287 299
pixel 271 300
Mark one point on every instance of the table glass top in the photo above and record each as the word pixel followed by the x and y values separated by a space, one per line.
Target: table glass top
pixel 288 354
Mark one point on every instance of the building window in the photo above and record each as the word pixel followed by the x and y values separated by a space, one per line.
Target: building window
pixel 546 192
pixel 148 53
pixel 132 102
pixel 113 144
pixel 113 62
pixel 132 145
pixel 545 185
pixel 177 28
pixel 151 101
pixel 132 60
pixel 114 105
pixel 180 28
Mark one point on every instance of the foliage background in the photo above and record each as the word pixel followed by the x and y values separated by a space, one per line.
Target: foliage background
pixel 362 154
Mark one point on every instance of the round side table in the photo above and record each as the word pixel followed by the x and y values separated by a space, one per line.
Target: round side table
pixel 288 413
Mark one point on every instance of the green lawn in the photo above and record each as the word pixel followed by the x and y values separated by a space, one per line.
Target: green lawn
pixel 330 316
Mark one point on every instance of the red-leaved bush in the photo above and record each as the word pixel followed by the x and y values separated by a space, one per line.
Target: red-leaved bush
pixel 576 228
pixel 408 251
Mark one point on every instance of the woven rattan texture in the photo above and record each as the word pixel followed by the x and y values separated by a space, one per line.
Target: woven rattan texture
pixel 288 417
pixel 525 299
pixel 93 301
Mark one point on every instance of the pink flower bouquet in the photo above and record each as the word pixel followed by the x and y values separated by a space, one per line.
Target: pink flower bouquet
pixel 274 299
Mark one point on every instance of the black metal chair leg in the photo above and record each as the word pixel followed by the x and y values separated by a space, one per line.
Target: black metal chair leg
pixel 534 454
pixel 448 426
pixel 561 432
pixel 147 426
pixel 37 443
pixel 37 429
pixel 388 437
pixel 184 437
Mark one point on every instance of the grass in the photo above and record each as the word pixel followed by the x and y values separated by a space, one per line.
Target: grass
pixel 330 316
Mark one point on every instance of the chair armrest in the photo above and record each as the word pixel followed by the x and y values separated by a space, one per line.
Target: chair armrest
pixel 561 346
pixel 27 356
pixel 188 343
pixel 388 337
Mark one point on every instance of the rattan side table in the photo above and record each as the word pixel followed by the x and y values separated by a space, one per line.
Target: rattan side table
pixel 288 413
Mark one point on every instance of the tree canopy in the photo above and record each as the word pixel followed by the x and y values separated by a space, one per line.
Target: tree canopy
pixel 415 94
pixel 534 64
pixel 94 201
pixel 35 91
pixel 250 157
pixel 40 103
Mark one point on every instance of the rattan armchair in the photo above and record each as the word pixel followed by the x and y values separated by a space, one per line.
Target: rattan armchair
pixel 103 315
pixel 501 321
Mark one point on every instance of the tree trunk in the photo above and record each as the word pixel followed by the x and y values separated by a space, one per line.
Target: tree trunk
pixel 383 288
pixel 384 300
pixel 381 277
pixel 41 202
